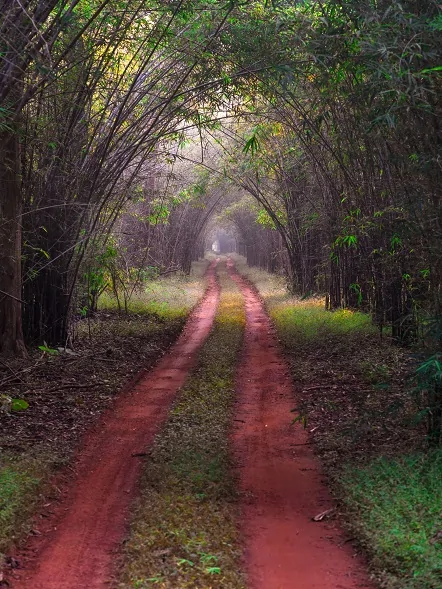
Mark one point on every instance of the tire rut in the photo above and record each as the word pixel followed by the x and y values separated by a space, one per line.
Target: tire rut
pixel 280 480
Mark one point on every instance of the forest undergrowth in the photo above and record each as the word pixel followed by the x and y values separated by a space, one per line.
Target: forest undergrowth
pixel 67 390
pixel 355 398
pixel 183 531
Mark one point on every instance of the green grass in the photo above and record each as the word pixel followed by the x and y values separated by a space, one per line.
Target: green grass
pixel 397 506
pixel 20 483
pixel 301 321
pixel 168 297
pixel 183 532
pixel 309 321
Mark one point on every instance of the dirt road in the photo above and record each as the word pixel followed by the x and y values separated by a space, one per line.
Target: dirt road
pixel 280 479
pixel 281 486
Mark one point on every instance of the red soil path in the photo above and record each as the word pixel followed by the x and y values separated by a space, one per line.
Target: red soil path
pixel 280 480
pixel 79 550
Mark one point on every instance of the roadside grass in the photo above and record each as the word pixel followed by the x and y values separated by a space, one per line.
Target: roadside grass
pixel 183 531
pixel 306 322
pixel 396 504
pixel 128 342
pixel 352 394
pixel 298 321
pixel 20 483
pixel 167 297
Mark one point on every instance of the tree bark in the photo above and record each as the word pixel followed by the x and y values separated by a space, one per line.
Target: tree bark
pixel 11 333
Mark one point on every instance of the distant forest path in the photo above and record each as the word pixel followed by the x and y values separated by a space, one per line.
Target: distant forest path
pixel 80 550
pixel 280 482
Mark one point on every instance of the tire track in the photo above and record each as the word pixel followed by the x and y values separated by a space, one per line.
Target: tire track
pixel 280 480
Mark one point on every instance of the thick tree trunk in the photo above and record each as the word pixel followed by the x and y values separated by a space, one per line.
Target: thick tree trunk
pixel 11 334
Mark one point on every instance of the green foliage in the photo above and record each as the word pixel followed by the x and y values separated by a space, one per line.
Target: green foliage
pixel 98 275
pixel 159 213
pixel 307 321
pixel 44 253
pixel 213 571
pixel 302 419
pixel 19 404
pixel 428 391
pixel 47 350
pixel 396 503
pixel 429 372
pixel 264 219
pixel 19 481
pixel 346 240
pixel 8 404
pixel 167 297
pixel 252 143
pixel 356 288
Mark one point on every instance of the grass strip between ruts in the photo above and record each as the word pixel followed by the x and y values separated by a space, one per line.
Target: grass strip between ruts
pixel 183 531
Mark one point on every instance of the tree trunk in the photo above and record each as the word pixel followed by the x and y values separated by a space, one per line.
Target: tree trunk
pixel 11 333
